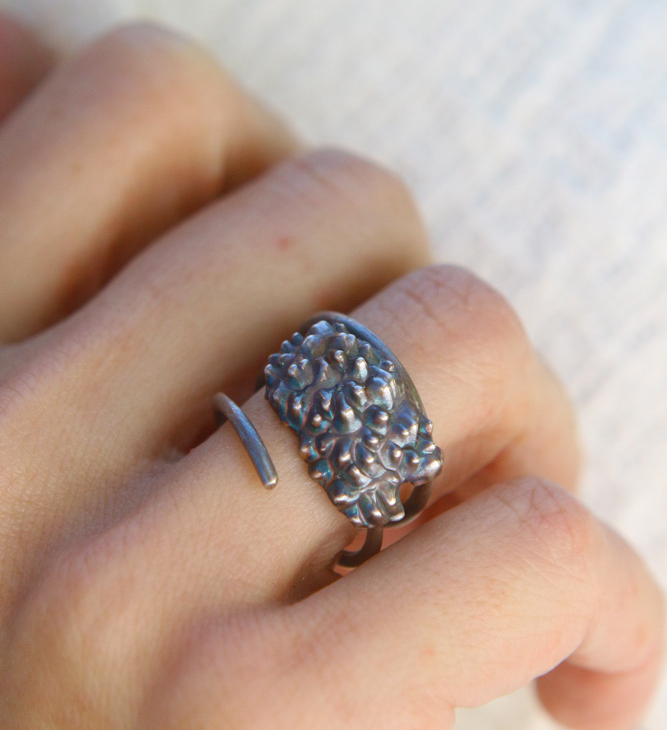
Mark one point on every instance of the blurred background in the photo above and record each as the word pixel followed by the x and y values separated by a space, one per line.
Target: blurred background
pixel 534 134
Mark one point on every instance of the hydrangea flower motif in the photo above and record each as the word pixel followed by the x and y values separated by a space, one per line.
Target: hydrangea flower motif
pixel 359 429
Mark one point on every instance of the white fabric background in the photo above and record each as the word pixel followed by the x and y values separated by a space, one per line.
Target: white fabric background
pixel 534 133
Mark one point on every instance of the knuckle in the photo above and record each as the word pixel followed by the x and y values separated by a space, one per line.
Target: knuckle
pixel 142 39
pixel 463 305
pixel 160 78
pixel 73 607
pixel 447 309
pixel 343 177
pixel 27 392
pixel 228 668
pixel 316 642
pixel 553 525
pixel 32 391
pixel 66 633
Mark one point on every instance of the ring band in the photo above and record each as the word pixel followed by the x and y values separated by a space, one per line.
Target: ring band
pixel 360 421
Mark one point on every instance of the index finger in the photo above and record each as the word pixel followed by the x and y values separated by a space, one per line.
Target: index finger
pixel 123 141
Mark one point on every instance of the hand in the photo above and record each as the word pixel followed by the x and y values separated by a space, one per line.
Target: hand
pixel 161 233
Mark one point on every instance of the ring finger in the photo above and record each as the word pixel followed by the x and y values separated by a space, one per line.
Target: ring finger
pixel 498 414
pixel 212 535
pixel 483 599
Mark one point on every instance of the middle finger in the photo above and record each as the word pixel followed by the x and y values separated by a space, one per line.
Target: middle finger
pixel 126 383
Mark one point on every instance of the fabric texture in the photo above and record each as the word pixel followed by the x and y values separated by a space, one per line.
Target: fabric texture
pixel 534 134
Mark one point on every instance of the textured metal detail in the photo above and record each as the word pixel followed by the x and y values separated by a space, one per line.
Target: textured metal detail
pixel 360 422
pixel 224 409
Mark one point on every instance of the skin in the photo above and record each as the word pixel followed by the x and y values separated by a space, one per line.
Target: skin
pixel 162 232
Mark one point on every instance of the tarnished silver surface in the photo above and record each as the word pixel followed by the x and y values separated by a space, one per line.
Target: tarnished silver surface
pixel 225 409
pixel 359 419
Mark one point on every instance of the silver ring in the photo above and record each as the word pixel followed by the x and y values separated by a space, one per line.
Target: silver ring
pixel 360 422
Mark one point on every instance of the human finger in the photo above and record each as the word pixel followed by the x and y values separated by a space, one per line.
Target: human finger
pixel 204 539
pixel 479 379
pixel 119 143
pixel 469 607
pixel 24 61
pixel 482 386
